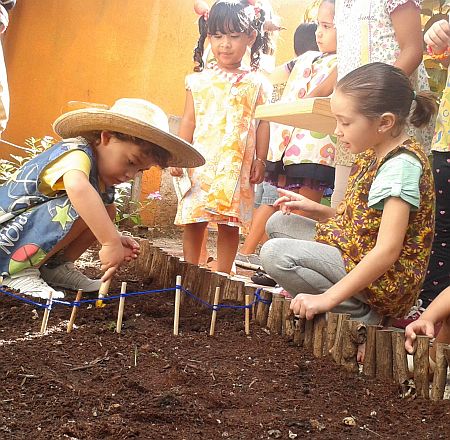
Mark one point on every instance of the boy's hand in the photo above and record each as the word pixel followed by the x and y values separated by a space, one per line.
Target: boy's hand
pixel 111 256
pixel 419 327
pixel 131 247
pixel 176 171
pixel 438 36
pixel 257 171
pixel 307 306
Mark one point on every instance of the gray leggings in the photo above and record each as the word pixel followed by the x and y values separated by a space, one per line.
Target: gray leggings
pixel 301 265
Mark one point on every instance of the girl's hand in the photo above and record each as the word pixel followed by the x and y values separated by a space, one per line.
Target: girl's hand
pixel 176 171
pixel 131 247
pixel 438 36
pixel 307 306
pixel 419 327
pixel 111 257
pixel 257 171
pixel 291 201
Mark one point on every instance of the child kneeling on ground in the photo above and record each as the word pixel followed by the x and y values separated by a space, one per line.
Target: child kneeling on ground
pixel 369 256
pixel 61 201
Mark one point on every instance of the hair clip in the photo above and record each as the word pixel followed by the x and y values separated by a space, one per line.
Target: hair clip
pixel 201 8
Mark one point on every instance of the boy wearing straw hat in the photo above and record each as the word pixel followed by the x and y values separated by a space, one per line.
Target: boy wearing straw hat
pixel 61 201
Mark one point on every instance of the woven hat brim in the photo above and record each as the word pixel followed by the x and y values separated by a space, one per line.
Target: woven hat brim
pixel 76 122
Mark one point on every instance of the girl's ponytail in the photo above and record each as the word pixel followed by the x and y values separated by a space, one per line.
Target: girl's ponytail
pixel 198 51
pixel 424 110
pixel 261 41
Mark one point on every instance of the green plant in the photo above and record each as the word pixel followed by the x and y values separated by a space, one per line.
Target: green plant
pixel 129 210
pixel 33 147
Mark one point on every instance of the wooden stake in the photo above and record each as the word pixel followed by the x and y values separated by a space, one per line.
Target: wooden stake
pixel 422 366
pixel 370 365
pixel 102 292
pixel 336 350
pixel 176 318
pixel 46 313
pixel 288 319
pixel 400 360
pixel 440 372
pixel 247 314
pixel 262 311
pixel 275 323
pixel 384 354
pixel 73 315
pixel 319 335
pixel 309 334
pixel 299 332
pixel 354 334
pixel 332 324
pixel 123 289
pixel 214 313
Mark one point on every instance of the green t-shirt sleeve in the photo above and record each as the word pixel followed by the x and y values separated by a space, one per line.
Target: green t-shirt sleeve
pixel 399 176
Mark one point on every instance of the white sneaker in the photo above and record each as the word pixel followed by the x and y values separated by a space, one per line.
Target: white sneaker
pixel 67 276
pixel 29 282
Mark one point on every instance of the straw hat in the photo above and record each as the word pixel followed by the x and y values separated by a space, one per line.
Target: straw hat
pixel 135 117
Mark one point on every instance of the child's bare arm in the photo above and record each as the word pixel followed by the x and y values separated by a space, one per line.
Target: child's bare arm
pixel 262 147
pixel 89 205
pixel 391 234
pixel 290 201
pixel 187 127
pixel 438 310
pixel 408 32
pixel 325 88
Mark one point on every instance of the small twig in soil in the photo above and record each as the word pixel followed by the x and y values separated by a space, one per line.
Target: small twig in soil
pixel 91 363
pixel 365 428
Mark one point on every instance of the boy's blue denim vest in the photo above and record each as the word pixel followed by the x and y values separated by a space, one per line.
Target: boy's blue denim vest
pixel 32 223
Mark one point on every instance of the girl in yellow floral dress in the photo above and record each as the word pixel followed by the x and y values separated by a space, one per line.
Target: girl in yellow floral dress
pixel 218 120
pixel 369 256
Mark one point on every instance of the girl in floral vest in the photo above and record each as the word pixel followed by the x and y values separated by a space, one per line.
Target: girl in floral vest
pixel 369 256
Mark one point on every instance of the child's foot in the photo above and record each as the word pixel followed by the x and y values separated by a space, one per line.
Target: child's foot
pixel 67 276
pixel 29 282
pixel 413 314
pixel 250 261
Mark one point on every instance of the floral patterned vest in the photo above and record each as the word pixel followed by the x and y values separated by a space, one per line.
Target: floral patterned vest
pixel 354 229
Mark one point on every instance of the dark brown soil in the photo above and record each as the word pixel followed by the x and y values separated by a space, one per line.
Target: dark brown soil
pixel 148 384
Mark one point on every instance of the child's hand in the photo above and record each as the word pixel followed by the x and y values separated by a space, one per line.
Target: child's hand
pixel 176 171
pixel 257 171
pixel 111 256
pixel 419 327
pixel 291 201
pixel 438 36
pixel 307 306
pixel 131 247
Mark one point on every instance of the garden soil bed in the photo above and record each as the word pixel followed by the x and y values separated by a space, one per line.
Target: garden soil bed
pixel 148 384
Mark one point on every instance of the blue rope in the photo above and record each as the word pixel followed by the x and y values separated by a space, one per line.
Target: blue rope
pixel 25 300
pixel 216 307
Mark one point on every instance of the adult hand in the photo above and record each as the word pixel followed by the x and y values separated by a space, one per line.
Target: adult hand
pixel 438 36
pixel 111 257
pixel 176 171
pixel 307 306
pixel 290 201
pixel 419 327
